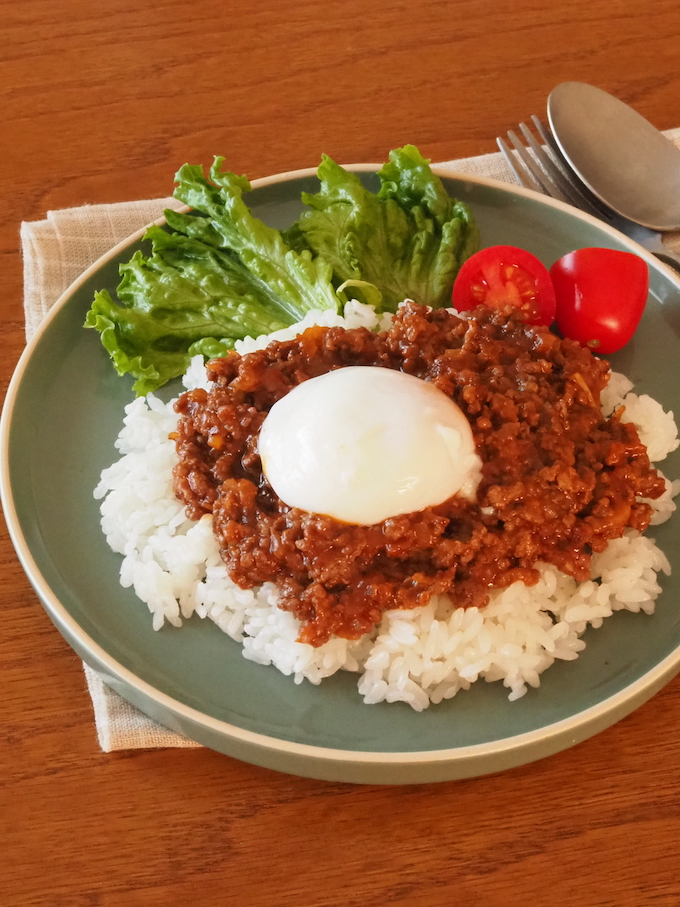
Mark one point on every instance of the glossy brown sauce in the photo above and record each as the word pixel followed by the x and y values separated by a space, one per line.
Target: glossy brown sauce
pixel 558 481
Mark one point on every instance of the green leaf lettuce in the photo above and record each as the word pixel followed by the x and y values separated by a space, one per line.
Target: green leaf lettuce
pixel 218 274
pixel 409 239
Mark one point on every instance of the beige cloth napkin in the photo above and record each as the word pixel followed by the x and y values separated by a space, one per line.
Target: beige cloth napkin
pixel 56 251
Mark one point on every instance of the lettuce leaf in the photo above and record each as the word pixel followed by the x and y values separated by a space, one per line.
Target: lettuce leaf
pixel 409 240
pixel 220 218
pixel 218 274
pixel 185 298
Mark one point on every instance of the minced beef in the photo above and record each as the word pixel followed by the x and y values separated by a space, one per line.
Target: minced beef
pixel 558 479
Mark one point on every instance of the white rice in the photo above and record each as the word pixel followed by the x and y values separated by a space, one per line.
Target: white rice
pixel 416 656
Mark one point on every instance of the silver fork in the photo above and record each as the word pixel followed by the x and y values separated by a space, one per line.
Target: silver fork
pixel 541 167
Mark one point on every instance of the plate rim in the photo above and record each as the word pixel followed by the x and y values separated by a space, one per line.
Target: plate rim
pixel 633 694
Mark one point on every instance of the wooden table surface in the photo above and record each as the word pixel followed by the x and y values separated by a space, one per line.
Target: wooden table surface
pixel 102 102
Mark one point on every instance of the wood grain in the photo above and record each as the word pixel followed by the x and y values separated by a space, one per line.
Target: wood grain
pixel 102 103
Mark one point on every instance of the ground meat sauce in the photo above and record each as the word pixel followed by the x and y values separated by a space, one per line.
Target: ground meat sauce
pixel 559 480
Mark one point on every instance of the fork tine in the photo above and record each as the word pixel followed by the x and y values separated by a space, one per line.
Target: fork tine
pixel 543 169
pixel 550 167
pixel 541 173
pixel 522 163
pixel 524 176
pixel 547 137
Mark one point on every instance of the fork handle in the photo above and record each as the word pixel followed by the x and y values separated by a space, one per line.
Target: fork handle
pixel 669 258
pixel 655 245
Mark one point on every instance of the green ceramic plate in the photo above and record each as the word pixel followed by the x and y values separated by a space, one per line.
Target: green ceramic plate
pixel 63 411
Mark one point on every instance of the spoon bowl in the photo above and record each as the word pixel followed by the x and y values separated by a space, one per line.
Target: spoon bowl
pixel 624 160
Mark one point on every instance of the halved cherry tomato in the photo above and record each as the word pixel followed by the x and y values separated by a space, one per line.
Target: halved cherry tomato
pixel 505 275
pixel 601 295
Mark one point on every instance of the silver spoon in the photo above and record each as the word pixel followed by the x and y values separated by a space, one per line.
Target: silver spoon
pixel 624 161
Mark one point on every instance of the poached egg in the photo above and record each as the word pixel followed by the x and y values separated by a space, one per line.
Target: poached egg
pixel 364 443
